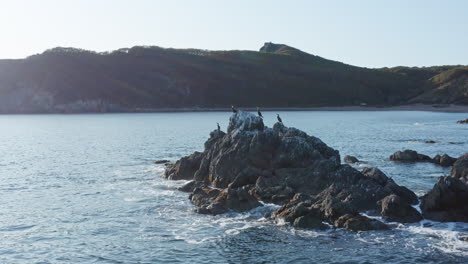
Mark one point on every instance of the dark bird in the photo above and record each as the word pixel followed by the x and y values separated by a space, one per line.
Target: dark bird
pixel 279 118
pixel 234 110
pixel 259 113
pixel 219 128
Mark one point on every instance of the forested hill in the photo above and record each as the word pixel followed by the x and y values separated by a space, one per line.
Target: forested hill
pixel 148 78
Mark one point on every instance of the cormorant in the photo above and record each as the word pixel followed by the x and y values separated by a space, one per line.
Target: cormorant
pixel 219 128
pixel 234 110
pixel 259 113
pixel 279 118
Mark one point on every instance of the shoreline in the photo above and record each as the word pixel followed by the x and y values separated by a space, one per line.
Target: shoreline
pixel 413 107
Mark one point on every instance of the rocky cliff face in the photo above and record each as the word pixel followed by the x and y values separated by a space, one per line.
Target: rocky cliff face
pixel 252 163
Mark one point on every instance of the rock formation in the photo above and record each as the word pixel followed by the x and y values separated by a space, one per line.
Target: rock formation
pixel 413 156
pixel 282 165
pixel 462 121
pixel 350 159
pixel 448 199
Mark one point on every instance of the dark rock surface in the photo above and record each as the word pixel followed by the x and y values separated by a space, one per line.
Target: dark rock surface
pixel 184 168
pixel 350 159
pixel 448 199
pixel 409 156
pixel 161 161
pixel 460 168
pixel 462 121
pixel 444 160
pixel 395 209
pixel 413 156
pixel 285 166
pixel 356 222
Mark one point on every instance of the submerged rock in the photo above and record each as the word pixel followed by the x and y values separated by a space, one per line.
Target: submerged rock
pixel 350 159
pixel 448 199
pixel 285 166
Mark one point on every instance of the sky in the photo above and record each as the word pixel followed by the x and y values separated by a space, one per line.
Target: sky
pixel 368 33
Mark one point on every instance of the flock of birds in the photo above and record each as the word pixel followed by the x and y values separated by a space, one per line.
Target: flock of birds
pixel 234 110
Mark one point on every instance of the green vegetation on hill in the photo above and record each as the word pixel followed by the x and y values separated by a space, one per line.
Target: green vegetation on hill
pixel 142 77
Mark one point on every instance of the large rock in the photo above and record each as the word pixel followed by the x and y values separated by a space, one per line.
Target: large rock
pixel 285 166
pixel 460 168
pixel 413 156
pixel 184 168
pixel 395 209
pixel 448 199
pixel 444 160
pixel 462 121
pixel 409 156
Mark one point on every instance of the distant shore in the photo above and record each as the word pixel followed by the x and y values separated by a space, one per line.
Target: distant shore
pixel 413 107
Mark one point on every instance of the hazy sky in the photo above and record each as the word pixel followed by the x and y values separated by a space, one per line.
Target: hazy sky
pixel 371 33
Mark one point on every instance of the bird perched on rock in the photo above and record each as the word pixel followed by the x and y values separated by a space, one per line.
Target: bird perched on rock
pixel 279 118
pixel 259 113
pixel 219 128
pixel 234 110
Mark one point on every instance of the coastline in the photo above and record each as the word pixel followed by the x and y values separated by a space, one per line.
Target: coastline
pixel 413 107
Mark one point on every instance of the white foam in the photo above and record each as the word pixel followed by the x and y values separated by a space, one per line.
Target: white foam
pixel 443 236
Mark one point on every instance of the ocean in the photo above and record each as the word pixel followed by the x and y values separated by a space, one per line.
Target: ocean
pixel 84 189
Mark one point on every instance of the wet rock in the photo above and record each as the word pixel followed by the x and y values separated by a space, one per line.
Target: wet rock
pixel 215 201
pixel 447 201
pixel 462 121
pixel 190 186
pixel 285 166
pixel 389 186
pixel 412 156
pixel 464 238
pixel 460 168
pixel 185 168
pixel 395 209
pixel 444 160
pixel 161 161
pixel 409 156
pixel 357 222
pixel 350 159
pixel 309 222
pixel 430 141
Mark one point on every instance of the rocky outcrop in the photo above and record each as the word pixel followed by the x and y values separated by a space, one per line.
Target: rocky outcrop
pixel 184 168
pixel 350 159
pixel 444 160
pixel 413 156
pixel 282 165
pixel 395 209
pixel 462 121
pixel 215 201
pixel 447 201
pixel 409 156
pixel 460 168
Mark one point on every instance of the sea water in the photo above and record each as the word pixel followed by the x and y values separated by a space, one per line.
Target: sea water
pixel 84 189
